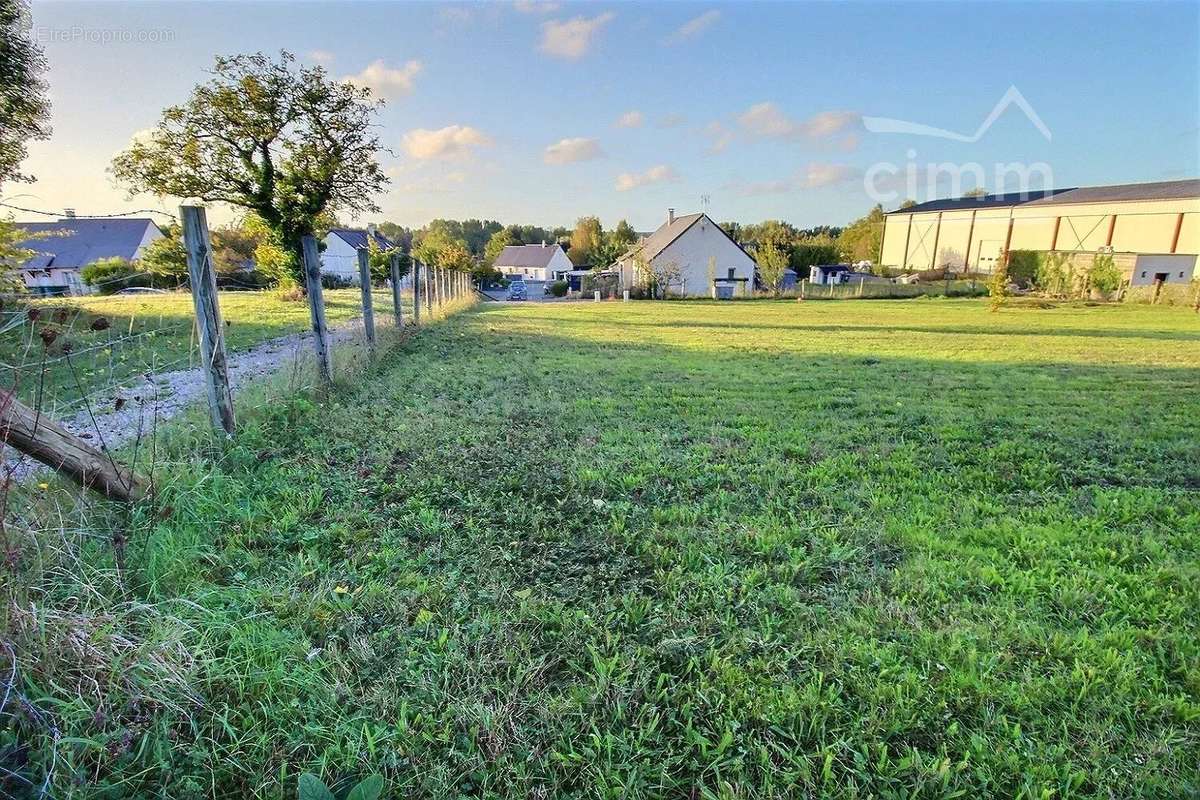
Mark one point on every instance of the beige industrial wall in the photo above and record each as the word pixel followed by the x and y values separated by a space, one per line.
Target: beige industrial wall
pixel 1140 227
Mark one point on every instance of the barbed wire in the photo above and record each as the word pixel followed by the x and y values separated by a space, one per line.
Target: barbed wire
pixel 63 215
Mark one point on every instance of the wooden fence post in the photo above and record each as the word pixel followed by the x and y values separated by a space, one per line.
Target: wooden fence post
pixel 36 435
pixel 431 298
pixel 427 291
pixel 316 308
pixel 203 279
pixel 416 282
pixel 396 305
pixel 368 302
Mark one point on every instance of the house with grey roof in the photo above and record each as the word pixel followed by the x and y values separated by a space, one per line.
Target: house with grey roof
pixel 63 248
pixel 534 262
pixel 340 256
pixel 688 255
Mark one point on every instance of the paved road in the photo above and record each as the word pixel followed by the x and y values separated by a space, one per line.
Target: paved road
pixel 535 291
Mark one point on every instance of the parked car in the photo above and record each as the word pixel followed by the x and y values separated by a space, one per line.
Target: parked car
pixel 517 290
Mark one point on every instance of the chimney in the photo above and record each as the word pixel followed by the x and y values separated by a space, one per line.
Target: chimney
pixel 670 215
pixel 69 213
pixel 372 229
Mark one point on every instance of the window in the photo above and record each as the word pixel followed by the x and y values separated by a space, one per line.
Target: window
pixel 731 271
pixel 1143 273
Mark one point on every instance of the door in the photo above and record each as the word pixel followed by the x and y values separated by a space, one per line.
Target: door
pixel 988 255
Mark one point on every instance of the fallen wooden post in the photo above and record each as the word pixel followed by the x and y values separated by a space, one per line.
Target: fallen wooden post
pixel 39 437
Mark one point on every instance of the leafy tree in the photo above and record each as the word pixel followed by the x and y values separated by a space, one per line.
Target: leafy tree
pixel 586 240
pixel 623 235
pixel 811 253
pixel 13 252
pixel 495 246
pixel 456 257
pixel 166 258
pixel 399 235
pixel 380 259
pixel 772 261
pixel 24 105
pixel 281 140
pixel 432 240
pixel 862 239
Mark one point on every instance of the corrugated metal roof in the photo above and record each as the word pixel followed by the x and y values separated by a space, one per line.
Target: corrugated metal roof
pixel 357 238
pixel 1162 190
pixel 1126 192
pixel 527 255
pixel 74 243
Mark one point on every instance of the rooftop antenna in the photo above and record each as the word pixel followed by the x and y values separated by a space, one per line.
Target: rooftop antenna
pixel 704 202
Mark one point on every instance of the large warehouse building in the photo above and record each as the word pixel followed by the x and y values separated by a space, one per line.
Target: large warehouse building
pixel 1152 229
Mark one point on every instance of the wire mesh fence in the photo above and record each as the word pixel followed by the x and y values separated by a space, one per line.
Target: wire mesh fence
pixel 109 390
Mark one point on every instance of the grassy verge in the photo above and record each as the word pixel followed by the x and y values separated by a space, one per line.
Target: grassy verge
pixel 886 549
pixel 116 338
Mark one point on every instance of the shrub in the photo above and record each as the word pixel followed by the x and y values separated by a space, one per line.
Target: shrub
pixel 559 288
pixel 329 281
pixel 1103 275
pixel 111 275
pixel 1023 267
pixel 998 286
pixel 1055 273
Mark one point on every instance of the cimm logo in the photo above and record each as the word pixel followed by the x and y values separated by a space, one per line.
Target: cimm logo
pixel 886 182
pixel 1012 97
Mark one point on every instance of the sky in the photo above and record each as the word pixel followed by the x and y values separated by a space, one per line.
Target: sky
pixel 539 112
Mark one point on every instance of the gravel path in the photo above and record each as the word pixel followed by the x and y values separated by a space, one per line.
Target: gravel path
pixel 176 390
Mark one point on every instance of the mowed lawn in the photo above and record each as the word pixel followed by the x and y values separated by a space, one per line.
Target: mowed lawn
pixel 741 550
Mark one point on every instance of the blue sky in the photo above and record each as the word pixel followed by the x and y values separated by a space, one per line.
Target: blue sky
pixel 540 112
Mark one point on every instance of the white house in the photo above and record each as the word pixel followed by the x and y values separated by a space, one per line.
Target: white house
pixel 535 262
pixel 694 255
pixel 61 249
pixel 340 256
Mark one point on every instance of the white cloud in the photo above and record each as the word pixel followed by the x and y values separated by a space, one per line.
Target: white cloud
pixel 630 119
pixel 765 120
pixel 816 175
pixel 531 7
pixel 323 57
pixel 632 180
pixel 568 151
pixel 573 38
pixel 387 81
pixel 453 141
pixel 694 27
pixel 720 135
pixel 671 120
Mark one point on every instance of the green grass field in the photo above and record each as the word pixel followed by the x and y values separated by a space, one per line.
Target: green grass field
pixel 144 333
pixel 862 549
